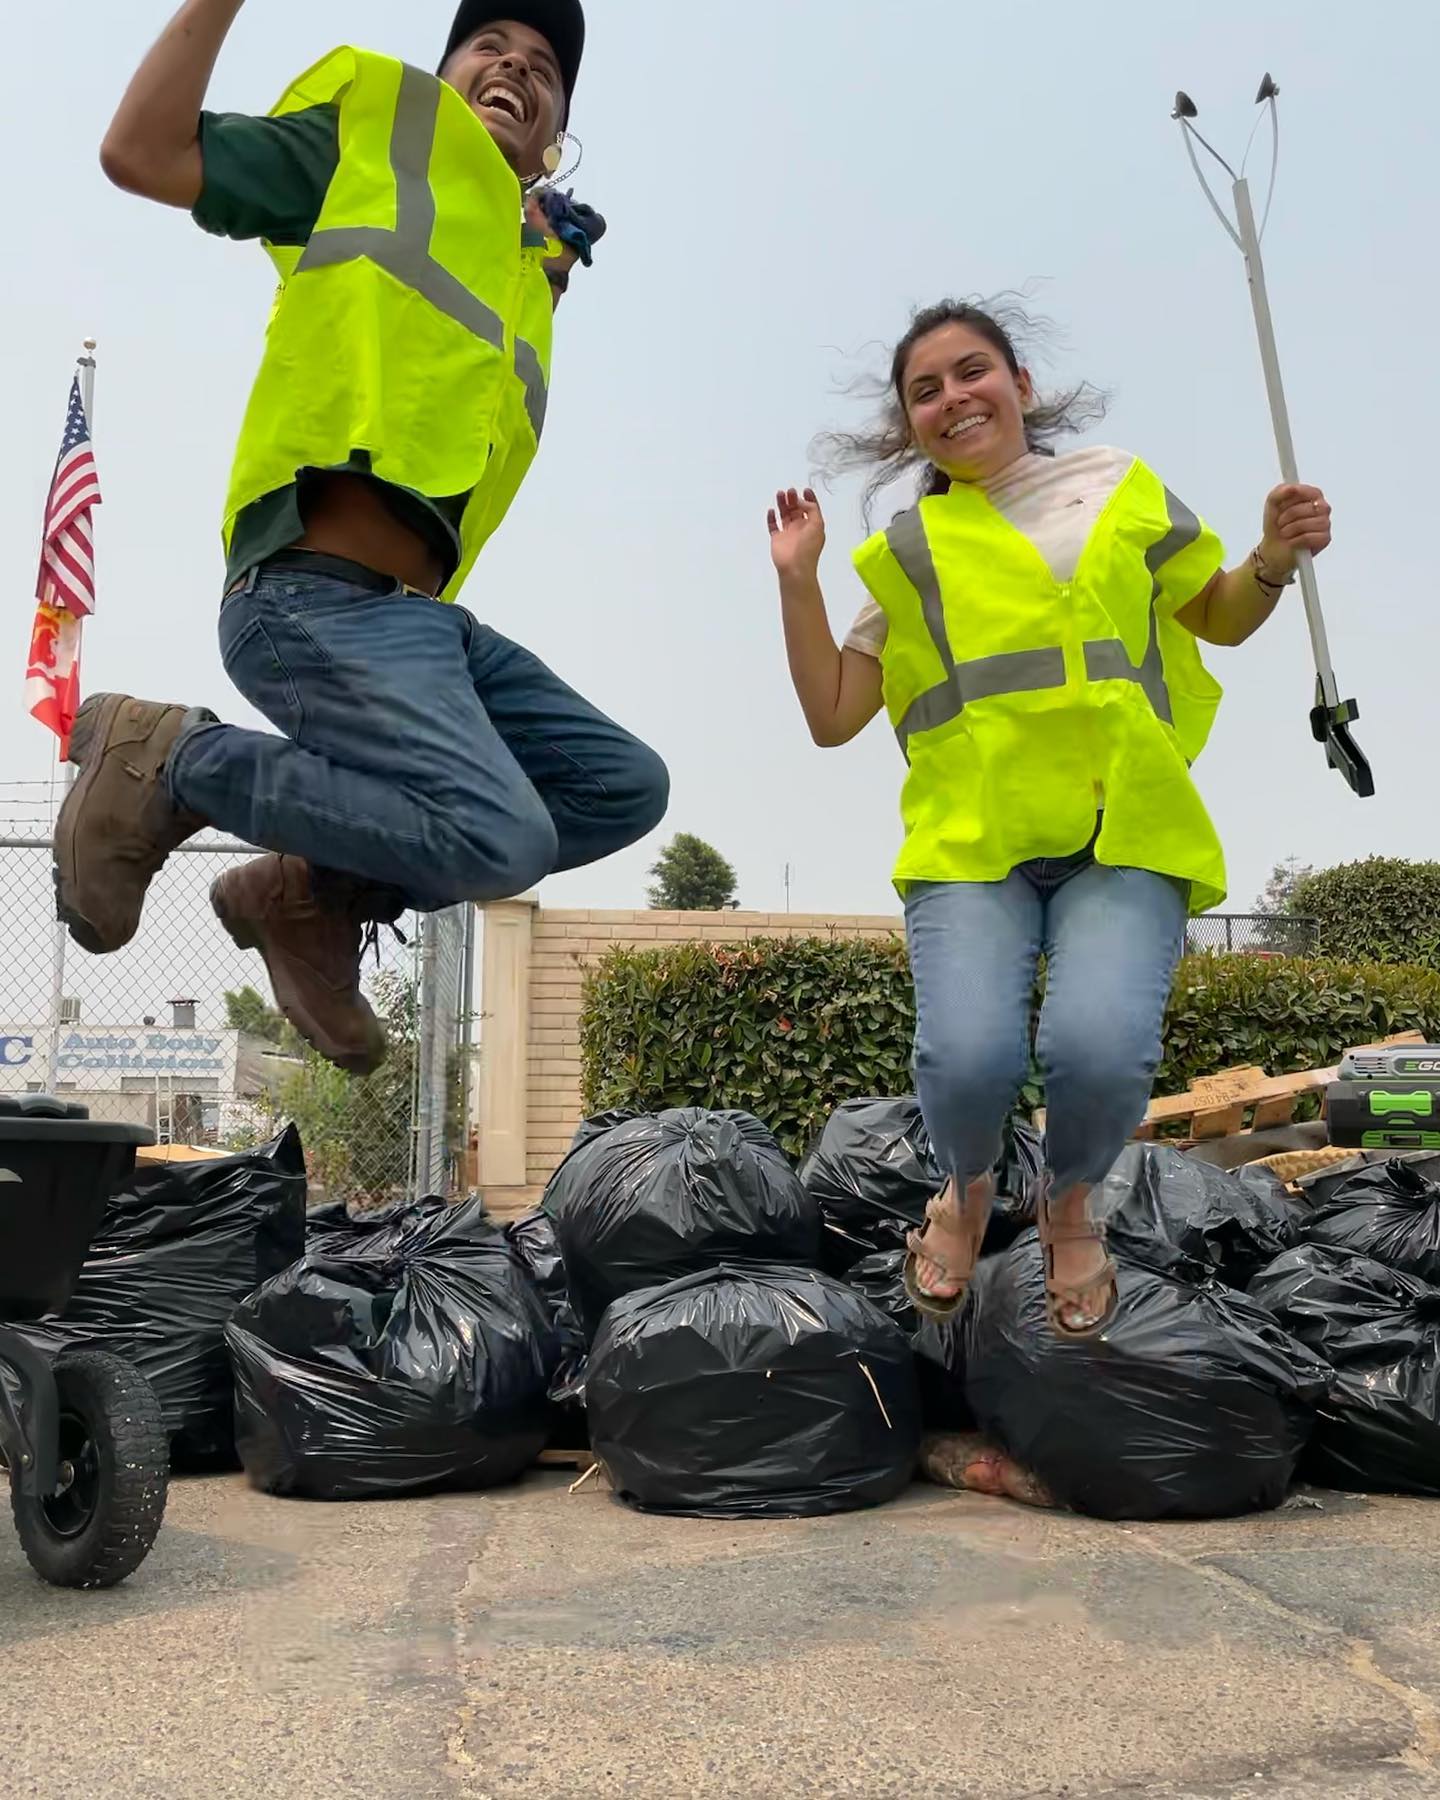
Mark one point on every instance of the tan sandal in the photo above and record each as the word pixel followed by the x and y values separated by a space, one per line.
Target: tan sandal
pixel 1063 1296
pixel 951 1239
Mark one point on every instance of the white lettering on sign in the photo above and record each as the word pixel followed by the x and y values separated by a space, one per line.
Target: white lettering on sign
pixel 151 1054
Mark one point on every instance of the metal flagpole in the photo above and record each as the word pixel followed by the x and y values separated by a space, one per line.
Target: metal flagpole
pixel 62 936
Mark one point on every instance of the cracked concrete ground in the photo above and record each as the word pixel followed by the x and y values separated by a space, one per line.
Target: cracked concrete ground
pixel 538 1643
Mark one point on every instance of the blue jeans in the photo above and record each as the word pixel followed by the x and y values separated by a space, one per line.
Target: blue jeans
pixel 422 752
pixel 1111 937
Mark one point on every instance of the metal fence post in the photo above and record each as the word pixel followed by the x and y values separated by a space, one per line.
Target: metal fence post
pixel 465 1036
pixel 426 1149
pixel 443 1007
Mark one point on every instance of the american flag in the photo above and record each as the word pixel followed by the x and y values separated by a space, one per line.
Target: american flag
pixel 66 587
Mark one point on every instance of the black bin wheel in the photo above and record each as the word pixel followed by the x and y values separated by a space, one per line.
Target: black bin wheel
pixel 102 1522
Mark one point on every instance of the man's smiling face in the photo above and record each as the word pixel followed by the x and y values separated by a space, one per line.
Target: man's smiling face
pixel 510 76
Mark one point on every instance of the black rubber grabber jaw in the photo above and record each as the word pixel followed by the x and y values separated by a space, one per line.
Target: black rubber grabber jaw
pixel 1331 726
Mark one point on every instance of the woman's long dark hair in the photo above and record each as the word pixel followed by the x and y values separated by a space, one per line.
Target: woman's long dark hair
pixel 887 448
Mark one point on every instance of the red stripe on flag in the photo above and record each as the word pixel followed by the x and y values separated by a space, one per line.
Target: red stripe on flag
pixel 65 583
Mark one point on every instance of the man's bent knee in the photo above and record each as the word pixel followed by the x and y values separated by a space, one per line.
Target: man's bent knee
pixel 643 795
pixel 514 855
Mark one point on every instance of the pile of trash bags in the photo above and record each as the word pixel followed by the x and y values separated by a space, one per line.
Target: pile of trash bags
pixel 698 1270
pixel 395 1356
pixel 1201 1398
pixel 727 1376
pixel 1193 1402
pixel 177 1251
pixel 1363 1291
pixel 733 1339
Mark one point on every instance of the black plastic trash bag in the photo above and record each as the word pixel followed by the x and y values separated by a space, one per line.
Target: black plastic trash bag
pixel 665 1195
pixel 599 1123
pixel 938 1344
pixel 175 1255
pixel 1172 1212
pixel 1380 1330
pixel 1390 1212
pixel 872 1170
pixel 534 1242
pixel 1192 1404
pixel 360 1375
pixel 1320 1188
pixel 334 1227
pixel 754 1392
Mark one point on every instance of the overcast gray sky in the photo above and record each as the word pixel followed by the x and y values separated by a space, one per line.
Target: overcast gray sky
pixel 784 180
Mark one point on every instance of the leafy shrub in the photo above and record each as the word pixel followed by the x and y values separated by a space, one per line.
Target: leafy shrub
pixel 1381 910
pixel 788 1029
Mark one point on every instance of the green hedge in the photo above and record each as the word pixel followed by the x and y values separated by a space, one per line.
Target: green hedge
pixel 1381 910
pixel 789 1029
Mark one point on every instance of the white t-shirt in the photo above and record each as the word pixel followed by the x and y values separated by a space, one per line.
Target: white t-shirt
pixel 1053 500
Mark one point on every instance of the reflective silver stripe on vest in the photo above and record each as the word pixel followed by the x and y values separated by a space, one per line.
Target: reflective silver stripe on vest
pixel 983 678
pixel 405 251
pixel 911 549
pixel 1108 659
pixel 527 367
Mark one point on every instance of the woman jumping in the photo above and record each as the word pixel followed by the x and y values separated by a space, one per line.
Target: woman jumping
pixel 1031 633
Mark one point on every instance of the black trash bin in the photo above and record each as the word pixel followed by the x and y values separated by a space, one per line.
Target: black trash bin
pixel 58 1167
pixel 82 1439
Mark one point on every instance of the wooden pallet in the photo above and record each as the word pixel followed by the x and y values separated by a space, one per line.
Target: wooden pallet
pixel 566 1459
pixel 592 1472
pixel 1246 1099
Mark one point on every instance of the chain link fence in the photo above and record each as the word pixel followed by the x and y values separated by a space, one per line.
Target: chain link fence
pixel 1254 934
pixel 177 1032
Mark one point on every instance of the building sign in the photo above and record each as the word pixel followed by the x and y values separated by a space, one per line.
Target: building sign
pixel 141 1053
pixel 105 1056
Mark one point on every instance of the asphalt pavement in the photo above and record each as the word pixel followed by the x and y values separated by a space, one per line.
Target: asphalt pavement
pixel 536 1642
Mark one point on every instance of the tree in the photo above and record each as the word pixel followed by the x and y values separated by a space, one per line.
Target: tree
pixel 690 876
pixel 1279 890
pixel 1383 910
pixel 249 1012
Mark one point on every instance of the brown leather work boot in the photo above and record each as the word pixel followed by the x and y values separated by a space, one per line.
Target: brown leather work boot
pixel 311 942
pixel 118 823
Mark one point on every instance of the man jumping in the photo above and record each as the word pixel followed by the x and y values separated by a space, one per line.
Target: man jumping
pixel 425 760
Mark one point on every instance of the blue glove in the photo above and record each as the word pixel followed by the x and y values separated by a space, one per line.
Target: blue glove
pixel 578 227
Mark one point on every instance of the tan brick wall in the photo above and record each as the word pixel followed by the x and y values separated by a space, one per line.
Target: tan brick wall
pixel 561 945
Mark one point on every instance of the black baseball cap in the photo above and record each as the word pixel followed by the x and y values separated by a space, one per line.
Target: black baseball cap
pixel 560 22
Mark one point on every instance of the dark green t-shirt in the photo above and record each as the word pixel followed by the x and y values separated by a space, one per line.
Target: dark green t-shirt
pixel 268 178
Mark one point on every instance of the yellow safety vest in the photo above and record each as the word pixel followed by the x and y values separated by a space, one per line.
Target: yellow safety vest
pixel 416 323
pixel 1014 696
